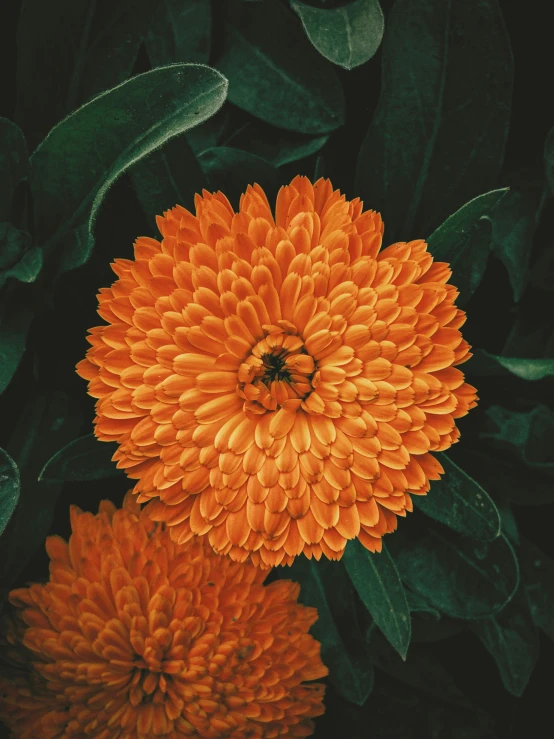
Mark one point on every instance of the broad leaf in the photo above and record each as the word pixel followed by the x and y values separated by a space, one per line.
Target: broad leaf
pixel 483 363
pixel 512 640
pixel 538 581
pixel 69 51
pixel 232 170
pixel 378 583
pixel 180 32
pixel 323 586
pixel 460 577
pixel 16 314
pixel 9 488
pixel 167 177
pixel 348 35
pixel 513 226
pixel 417 604
pixel 83 459
pixel 273 144
pixel 464 241
pixel 460 503
pixel 83 155
pixel 273 70
pixel 14 164
pixel 438 135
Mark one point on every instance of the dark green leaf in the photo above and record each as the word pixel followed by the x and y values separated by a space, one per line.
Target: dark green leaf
pixel 83 155
pixel 46 423
pixel 378 583
pixel 510 637
pixel 538 581
pixel 483 364
pixel 438 135
pixel 417 604
pixel 16 314
pixel 509 523
pixel 69 51
pixel 460 503
pixel 273 144
pixel 549 159
pixel 209 133
pixel 513 226
pixel 348 35
pixel 14 164
pixel 180 32
pixel 169 176
pixel 460 577
pixel 274 72
pixel 464 241
pixel 85 458
pixel 13 245
pixel 9 488
pixel 232 170
pixel 323 585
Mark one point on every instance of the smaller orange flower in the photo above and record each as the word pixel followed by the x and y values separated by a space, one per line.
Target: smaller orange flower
pixel 135 636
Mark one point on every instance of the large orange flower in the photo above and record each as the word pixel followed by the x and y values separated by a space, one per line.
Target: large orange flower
pixel 136 637
pixel 273 380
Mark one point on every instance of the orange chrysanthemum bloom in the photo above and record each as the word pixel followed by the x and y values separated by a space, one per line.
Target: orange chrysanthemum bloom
pixel 274 380
pixel 135 637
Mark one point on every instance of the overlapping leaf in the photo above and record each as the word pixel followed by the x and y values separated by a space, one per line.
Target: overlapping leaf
pixel 180 32
pixel 9 488
pixel 84 458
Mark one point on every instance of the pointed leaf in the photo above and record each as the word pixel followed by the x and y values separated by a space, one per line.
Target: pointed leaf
pixel 378 583
pixel 9 488
pixel 273 144
pixel 459 502
pixel 512 640
pixel 438 135
pixel 464 241
pixel 84 154
pixel 273 70
pixel 14 164
pixel 16 315
pixel 180 32
pixel 83 459
pixel 348 35
pixel 460 577
pixel 485 364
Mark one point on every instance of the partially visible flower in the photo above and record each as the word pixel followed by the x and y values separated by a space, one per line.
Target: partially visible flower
pixel 274 380
pixel 136 637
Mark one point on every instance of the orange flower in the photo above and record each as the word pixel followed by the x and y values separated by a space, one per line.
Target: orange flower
pixel 274 381
pixel 136 637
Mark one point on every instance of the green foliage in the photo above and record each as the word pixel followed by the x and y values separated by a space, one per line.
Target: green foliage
pixel 538 582
pixel 14 164
pixel 460 503
pixel 16 314
pixel 347 36
pixel 376 579
pixel 273 71
pixel 275 145
pixel 180 32
pixel 82 459
pixel 83 155
pixel 442 116
pixel 484 363
pixel 9 488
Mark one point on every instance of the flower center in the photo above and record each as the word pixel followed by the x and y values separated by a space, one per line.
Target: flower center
pixel 279 370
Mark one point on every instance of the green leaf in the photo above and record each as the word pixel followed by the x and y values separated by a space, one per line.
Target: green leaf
pixel 460 577
pixel 274 72
pixel 347 36
pixel 511 639
pixel 180 32
pixel 459 502
pixel 46 423
pixel 437 137
pixel 232 170
pixel 167 177
pixel 513 226
pixel 83 459
pixel 485 364
pixel 208 134
pixel 538 581
pixel 549 159
pixel 18 259
pixel 69 51
pixel 324 586
pixel 378 583
pixel 84 154
pixel 464 241
pixel 273 144
pixel 14 164
pixel 16 315
pixel 9 488
pixel 417 604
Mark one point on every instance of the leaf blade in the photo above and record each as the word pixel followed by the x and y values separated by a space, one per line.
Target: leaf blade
pixel 10 484
pixel 82 459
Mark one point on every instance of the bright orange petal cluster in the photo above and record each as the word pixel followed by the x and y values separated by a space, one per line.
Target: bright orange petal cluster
pixel 274 380
pixel 135 637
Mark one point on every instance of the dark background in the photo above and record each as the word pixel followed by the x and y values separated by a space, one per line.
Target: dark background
pixel 530 31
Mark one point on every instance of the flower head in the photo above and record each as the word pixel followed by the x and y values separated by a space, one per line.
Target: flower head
pixel 136 636
pixel 275 381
